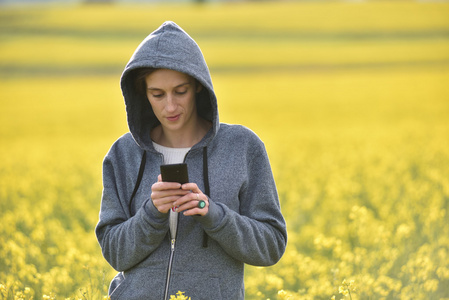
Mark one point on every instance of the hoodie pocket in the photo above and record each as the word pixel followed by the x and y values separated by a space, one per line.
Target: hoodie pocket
pixel 118 279
pixel 140 284
pixel 196 285
pixel 150 285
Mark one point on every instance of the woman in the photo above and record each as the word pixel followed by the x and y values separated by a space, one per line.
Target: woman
pixel 165 237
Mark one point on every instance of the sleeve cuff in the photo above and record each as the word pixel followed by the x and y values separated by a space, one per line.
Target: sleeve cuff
pixel 152 214
pixel 213 218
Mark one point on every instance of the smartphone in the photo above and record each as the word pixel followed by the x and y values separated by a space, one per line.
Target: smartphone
pixel 175 173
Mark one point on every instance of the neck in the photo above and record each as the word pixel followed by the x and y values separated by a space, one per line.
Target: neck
pixel 185 138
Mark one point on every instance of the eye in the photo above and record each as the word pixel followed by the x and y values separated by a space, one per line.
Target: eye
pixel 157 95
pixel 182 92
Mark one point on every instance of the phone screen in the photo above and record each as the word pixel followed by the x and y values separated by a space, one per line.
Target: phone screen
pixel 175 173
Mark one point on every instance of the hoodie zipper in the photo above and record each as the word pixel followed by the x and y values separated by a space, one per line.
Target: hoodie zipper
pixel 170 263
pixel 172 252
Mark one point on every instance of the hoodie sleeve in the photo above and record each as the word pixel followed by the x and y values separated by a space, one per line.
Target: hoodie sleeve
pixel 126 241
pixel 257 233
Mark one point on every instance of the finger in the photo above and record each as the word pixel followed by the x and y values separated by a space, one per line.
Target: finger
pixel 164 204
pixel 189 204
pixel 164 208
pixel 187 198
pixel 162 185
pixel 160 193
pixel 195 211
pixel 191 187
pixel 165 198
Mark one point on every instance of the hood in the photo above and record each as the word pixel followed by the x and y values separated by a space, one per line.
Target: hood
pixel 168 47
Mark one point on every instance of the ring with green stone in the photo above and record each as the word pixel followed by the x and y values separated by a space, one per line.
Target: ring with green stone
pixel 201 204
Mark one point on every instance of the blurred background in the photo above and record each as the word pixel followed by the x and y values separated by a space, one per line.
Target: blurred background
pixel 350 97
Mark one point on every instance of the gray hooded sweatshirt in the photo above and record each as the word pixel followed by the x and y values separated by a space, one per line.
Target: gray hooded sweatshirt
pixel 244 223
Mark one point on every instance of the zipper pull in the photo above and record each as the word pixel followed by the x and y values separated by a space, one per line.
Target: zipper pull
pixel 173 244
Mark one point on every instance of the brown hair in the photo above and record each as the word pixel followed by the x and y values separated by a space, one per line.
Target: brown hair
pixel 140 82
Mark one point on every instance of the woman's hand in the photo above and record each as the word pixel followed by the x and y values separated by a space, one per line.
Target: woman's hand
pixel 189 202
pixel 183 198
pixel 164 194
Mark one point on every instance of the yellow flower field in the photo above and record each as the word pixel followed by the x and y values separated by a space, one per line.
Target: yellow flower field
pixel 350 98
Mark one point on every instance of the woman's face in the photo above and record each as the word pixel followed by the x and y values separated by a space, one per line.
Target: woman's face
pixel 172 97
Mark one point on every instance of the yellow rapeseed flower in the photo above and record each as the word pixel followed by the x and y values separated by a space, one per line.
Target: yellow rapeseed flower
pixel 343 290
pixel 179 296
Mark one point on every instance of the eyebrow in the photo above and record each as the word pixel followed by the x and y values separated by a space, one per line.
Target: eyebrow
pixel 158 89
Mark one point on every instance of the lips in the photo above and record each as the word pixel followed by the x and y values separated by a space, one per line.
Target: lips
pixel 173 118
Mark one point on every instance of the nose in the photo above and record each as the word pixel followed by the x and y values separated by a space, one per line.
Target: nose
pixel 171 104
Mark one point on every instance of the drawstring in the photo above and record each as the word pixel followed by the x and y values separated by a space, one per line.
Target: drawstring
pixel 207 189
pixel 139 179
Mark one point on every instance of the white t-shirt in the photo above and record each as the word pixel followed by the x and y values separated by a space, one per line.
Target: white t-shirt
pixel 172 156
